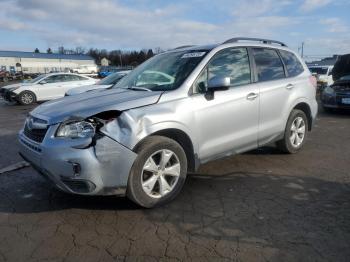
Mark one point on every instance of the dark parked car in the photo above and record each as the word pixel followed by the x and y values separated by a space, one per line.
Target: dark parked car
pixel 337 96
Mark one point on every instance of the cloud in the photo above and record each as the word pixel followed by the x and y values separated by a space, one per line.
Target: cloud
pixel 310 5
pixel 115 24
pixel 258 7
pixel 334 25
pixel 107 22
pixel 325 45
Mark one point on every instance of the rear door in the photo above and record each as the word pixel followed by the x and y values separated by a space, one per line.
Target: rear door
pixel 74 81
pixel 276 92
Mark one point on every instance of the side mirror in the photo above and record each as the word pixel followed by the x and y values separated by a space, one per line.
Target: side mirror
pixel 42 82
pixel 218 83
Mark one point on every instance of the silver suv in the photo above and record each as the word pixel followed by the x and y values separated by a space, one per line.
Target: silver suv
pixel 177 110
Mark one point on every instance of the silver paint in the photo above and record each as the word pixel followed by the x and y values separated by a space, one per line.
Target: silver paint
pixel 234 121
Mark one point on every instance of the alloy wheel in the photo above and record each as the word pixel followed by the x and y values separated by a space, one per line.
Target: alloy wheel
pixel 160 173
pixel 297 132
pixel 27 98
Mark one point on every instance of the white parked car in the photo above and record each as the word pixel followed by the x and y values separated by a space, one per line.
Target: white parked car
pixel 106 82
pixel 85 69
pixel 44 87
pixel 323 75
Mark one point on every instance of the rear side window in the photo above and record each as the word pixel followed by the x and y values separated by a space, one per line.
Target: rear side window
pixel 81 78
pixel 292 63
pixel 268 64
pixel 75 78
pixel 54 79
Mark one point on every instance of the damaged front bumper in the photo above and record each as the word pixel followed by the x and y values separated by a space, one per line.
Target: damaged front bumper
pixel 8 95
pixel 80 166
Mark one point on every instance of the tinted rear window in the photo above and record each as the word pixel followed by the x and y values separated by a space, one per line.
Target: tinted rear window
pixel 268 64
pixel 292 63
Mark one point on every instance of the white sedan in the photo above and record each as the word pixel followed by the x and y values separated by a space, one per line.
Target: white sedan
pixel 106 82
pixel 44 87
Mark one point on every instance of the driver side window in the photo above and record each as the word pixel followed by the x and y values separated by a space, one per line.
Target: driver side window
pixel 232 63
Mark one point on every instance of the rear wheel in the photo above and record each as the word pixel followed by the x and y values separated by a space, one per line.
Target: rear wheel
pixel 26 98
pixel 295 132
pixel 158 173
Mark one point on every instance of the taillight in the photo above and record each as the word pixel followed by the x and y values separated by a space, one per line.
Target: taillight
pixel 313 81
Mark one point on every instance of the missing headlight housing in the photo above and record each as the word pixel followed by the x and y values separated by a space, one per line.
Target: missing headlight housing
pixel 76 129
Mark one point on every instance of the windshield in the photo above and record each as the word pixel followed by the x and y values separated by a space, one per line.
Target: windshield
pixel 319 70
pixel 34 80
pixel 347 77
pixel 163 72
pixel 111 79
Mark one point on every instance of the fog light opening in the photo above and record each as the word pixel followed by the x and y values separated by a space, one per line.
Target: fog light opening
pixel 76 168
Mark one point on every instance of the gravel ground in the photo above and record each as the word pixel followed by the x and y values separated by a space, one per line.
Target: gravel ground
pixel 259 206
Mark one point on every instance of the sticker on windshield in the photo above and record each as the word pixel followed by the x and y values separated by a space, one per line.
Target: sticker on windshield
pixel 191 55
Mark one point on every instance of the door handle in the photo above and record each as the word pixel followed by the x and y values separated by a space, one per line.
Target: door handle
pixel 252 96
pixel 290 86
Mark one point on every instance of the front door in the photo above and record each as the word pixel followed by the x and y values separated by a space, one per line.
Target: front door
pixel 50 87
pixel 228 122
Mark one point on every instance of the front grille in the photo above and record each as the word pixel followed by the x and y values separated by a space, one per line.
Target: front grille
pixel 33 131
pixel 35 148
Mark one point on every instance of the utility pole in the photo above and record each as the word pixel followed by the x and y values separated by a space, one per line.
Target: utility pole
pixel 120 58
pixel 302 50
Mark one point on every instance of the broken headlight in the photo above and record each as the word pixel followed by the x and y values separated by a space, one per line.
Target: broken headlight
pixel 79 129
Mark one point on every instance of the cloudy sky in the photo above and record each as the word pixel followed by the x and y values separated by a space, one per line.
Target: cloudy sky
pixel 324 25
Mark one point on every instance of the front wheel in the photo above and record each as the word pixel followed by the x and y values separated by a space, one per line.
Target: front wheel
pixel 295 132
pixel 26 98
pixel 158 173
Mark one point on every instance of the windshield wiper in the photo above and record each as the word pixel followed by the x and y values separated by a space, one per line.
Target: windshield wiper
pixel 138 88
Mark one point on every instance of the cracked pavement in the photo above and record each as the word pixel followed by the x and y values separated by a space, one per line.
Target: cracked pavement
pixel 259 206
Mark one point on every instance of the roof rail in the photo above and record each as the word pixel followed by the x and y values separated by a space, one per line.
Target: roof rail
pixel 264 41
pixel 183 46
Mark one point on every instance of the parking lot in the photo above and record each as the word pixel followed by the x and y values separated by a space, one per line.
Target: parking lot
pixel 259 206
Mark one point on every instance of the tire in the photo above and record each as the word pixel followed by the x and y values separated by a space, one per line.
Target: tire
pixel 286 145
pixel 154 147
pixel 26 98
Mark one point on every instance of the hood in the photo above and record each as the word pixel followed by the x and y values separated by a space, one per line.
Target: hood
pixel 82 89
pixel 341 67
pixel 94 102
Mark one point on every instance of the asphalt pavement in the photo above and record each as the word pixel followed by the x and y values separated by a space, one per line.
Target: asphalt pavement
pixel 259 206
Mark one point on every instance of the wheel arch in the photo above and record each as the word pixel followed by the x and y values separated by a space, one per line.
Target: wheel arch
pixel 28 91
pixel 307 110
pixel 184 141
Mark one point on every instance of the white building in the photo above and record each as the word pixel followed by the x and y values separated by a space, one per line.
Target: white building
pixel 29 62
pixel 105 62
